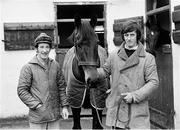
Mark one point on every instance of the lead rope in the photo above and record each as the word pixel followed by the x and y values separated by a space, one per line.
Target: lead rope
pixel 104 126
pixel 117 118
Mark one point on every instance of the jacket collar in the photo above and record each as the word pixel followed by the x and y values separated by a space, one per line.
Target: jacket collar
pixel 34 60
pixel 134 58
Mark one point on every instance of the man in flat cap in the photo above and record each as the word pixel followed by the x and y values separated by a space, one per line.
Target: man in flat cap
pixel 42 86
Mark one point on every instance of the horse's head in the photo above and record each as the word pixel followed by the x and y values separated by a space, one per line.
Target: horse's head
pixel 86 48
pixel 153 32
pixel 156 35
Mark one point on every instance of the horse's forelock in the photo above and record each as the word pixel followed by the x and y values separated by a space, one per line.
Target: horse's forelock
pixel 87 32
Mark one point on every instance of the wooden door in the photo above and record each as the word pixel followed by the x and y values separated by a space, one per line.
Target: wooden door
pixel 159 22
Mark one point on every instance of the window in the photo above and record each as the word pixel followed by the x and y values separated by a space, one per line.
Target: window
pixel 20 36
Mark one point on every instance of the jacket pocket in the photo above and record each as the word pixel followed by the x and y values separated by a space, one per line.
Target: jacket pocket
pixel 40 114
pixel 41 109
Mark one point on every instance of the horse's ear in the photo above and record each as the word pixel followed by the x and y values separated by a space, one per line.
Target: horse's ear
pixel 151 21
pixel 93 21
pixel 77 20
pixel 70 39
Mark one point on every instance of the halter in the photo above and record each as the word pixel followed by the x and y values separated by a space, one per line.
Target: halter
pixel 84 63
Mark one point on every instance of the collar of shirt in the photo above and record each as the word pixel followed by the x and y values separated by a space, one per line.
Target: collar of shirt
pixel 133 48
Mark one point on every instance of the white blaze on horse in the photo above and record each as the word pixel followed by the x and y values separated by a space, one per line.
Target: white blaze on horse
pixel 80 71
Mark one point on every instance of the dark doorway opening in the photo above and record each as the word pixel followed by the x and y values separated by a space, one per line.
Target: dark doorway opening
pixel 65 20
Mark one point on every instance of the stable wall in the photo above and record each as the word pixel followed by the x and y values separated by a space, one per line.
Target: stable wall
pixel 1 32
pixel 120 9
pixel 19 11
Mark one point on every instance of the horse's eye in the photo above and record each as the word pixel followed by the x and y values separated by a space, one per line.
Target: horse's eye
pixel 152 33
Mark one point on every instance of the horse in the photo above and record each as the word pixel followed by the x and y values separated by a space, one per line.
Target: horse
pixel 156 35
pixel 80 71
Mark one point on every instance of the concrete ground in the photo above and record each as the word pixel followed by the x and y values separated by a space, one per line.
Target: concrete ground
pixel 21 123
pixel 86 123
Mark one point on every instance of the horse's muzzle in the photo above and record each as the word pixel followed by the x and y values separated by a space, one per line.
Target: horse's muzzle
pixel 91 84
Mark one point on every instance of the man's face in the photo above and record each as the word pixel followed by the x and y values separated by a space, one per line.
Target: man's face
pixel 43 50
pixel 131 39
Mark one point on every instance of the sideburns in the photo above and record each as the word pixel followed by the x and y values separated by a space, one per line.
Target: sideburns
pixel 37 51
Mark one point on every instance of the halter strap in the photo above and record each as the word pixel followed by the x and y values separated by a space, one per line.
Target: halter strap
pixel 88 63
pixel 84 62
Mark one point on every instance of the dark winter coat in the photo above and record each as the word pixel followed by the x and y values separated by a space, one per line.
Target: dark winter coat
pixel 41 85
pixel 76 90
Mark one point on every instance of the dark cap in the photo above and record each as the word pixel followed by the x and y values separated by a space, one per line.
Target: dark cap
pixel 43 38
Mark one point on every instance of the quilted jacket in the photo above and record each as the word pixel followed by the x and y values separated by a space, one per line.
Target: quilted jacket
pixel 42 85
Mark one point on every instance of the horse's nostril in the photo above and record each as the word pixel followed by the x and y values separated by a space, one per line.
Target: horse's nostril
pixel 91 83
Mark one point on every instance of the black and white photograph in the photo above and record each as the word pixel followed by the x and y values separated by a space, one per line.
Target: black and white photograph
pixel 89 64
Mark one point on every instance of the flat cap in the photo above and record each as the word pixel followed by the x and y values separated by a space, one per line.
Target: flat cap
pixel 43 38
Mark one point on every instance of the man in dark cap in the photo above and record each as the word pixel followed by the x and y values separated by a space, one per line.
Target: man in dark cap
pixel 42 86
